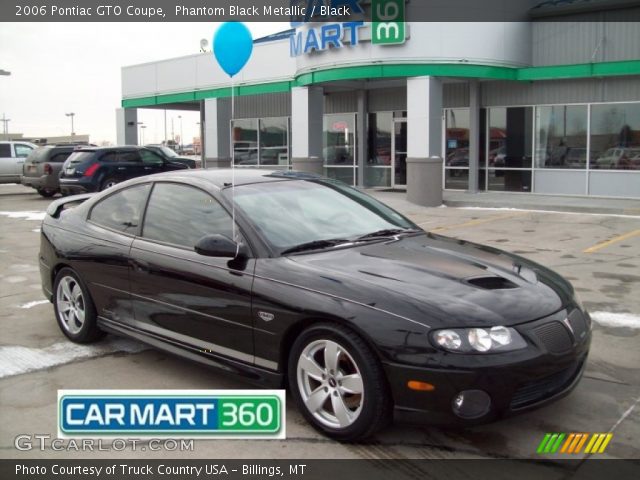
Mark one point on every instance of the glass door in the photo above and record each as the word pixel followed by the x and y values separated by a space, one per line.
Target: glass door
pixel 399 152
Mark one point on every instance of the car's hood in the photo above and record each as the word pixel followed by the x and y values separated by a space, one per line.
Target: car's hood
pixel 438 281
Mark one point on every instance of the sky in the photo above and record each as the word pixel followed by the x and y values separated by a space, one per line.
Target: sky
pixel 57 68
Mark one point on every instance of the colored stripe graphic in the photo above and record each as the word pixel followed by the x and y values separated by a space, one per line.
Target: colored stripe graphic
pixel 572 443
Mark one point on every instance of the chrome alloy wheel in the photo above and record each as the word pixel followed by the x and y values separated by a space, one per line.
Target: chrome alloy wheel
pixel 71 305
pixel 330 383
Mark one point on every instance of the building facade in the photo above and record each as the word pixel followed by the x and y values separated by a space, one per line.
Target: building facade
pixel 550 105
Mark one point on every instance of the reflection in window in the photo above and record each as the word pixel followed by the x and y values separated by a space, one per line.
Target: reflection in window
pixel 261 142
pixel 561 136
pixel 245 141
pixel 121 211
pixel 339 146
pixel 274 141
pixel 615 136
pixel 377 171
pixel 199 215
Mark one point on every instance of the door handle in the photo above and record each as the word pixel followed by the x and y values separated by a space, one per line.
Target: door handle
pixel 122 168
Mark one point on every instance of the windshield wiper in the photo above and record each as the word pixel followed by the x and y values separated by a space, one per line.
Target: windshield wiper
pixel 388 232
pixel 315 245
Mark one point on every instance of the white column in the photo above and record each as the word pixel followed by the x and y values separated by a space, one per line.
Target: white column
pixel 127 126
pixel 424 117
pixel 307 108
pixel 215 124
pixel 424 141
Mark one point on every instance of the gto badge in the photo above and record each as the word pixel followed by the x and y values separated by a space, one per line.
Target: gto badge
pixel 266 316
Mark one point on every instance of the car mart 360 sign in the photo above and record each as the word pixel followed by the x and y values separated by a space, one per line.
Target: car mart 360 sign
pixel 387 26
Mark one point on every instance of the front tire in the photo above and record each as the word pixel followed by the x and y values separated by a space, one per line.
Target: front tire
pixel 338 383
pixel 74 309
pixel 108 183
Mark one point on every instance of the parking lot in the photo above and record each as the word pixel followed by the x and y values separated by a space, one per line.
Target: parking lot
pixel 599 254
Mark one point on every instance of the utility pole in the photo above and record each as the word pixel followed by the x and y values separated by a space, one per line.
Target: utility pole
pixel 5 126
pixel 142 127
pixel 71 114
pixel 181 137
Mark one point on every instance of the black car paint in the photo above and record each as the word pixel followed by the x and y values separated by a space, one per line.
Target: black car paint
pixel 393 292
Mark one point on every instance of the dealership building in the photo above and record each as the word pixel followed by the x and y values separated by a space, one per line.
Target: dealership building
pixel 550 105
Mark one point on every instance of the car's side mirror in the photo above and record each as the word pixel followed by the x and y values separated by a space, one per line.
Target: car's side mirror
pixel 220 246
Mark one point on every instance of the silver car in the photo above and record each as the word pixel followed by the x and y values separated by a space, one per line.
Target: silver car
pixel 41 169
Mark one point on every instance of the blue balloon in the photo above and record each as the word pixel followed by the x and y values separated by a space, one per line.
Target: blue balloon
pixel 232 46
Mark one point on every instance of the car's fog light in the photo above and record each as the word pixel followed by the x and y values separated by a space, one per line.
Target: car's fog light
pixel 471 404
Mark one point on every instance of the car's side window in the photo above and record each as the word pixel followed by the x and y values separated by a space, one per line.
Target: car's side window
pixel 60 157
pixel 182 215
pixel 150 158
pixel 109 157
pixel 132 156
pixel 23 151
pixel 121 211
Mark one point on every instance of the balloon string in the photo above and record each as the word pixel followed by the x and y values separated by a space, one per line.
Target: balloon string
pixel 233 167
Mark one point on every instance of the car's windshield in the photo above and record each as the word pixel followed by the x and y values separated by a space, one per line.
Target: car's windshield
pixel 292 213
pixel 168 152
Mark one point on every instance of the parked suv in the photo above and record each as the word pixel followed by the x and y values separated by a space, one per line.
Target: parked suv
pixel 94 169
pixel 172 156
pixel 12 155
pixel 42 168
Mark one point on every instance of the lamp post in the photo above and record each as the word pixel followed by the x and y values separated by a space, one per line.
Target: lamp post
pixel 71 114
pixel 5 126
pixel 142 127
pixel 181 137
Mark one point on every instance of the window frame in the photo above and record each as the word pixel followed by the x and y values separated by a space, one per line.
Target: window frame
pixel 137 231
pixel 140 233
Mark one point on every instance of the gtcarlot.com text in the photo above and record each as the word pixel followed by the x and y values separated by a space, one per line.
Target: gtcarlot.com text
pixel 43 442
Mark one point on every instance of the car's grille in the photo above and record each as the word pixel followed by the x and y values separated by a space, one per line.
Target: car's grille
pixel 577 322
pixel 554 336
pixel 533 392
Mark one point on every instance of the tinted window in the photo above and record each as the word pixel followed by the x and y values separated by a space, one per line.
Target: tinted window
pixel 5 150
pixel 182 215
pixel 59 157
pixel 109 157
pixel 121 211
pixel 79 157
pixel 129 156
pixel 149 157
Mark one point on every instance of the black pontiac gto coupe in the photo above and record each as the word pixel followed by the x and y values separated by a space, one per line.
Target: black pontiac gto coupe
pixel 363 315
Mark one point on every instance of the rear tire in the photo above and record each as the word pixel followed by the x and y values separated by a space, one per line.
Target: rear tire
pixel 108 183
pixel 338 383
pixel 46 193
pixel 74 308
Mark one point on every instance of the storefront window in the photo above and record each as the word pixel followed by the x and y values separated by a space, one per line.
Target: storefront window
pixel 339 147
pixel 378 166
pixel 509 149
pixel 261 142
pixel 274 141
pixel 615 136
pixel 457 148
pixel 561 136
pixel 245 141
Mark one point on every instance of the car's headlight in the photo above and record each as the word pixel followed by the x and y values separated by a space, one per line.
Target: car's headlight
pixel 479 340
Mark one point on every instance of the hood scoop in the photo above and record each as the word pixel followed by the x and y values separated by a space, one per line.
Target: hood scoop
pixel 491 282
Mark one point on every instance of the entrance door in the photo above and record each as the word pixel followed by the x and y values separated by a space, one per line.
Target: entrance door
pixel 399 152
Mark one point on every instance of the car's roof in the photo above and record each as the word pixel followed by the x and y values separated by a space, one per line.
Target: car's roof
pixel 104 149
pixel 225 177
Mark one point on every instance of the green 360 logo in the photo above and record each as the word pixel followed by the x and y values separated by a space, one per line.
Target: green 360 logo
pixel 388 25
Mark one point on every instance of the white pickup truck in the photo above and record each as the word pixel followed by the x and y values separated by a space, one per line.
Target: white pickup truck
pixel 12 155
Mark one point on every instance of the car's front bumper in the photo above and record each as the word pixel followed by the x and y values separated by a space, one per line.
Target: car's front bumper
pixel 514 381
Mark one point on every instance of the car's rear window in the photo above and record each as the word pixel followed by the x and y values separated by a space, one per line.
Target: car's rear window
pixel 80 157
pixel 38 155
